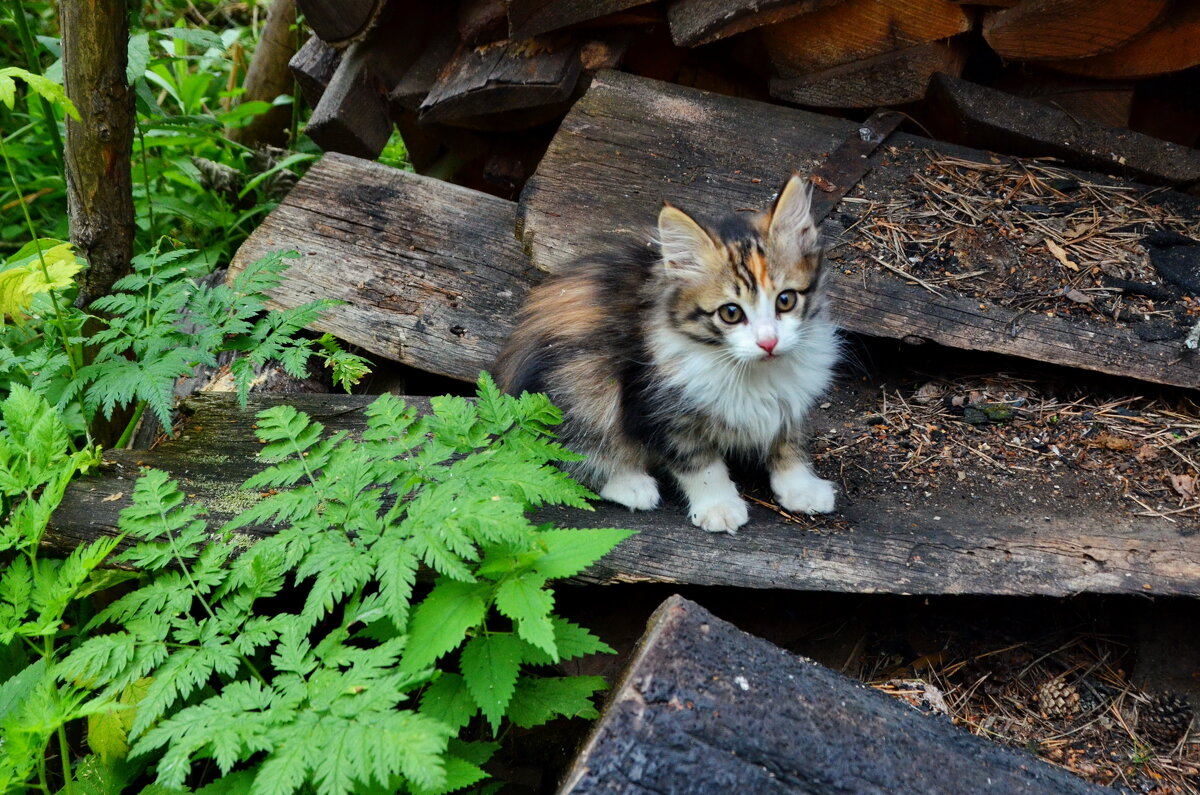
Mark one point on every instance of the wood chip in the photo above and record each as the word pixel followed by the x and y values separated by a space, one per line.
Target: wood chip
pixel 1060 254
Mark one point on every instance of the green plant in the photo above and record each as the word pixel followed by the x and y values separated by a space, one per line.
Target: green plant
pixel 365 687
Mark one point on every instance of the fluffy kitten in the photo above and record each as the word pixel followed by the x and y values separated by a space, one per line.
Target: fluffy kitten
pixel 715 349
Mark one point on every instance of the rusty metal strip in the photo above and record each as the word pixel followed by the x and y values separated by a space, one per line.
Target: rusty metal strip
pixel 850 162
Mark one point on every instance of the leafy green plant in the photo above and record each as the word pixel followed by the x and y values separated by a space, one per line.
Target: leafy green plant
pixel 365 687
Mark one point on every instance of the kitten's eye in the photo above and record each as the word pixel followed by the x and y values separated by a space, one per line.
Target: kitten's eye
pixel 730 313
pixel 786 301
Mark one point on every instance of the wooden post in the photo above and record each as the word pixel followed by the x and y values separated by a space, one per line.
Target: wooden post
pixel 269 76
pixel 98 146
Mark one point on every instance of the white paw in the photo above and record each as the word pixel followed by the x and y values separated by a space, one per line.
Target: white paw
pixel 637 491
pixel 720 515
pixel 800 491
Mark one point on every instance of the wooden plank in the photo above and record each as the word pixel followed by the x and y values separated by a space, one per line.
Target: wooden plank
pixel 856 29
pixel 431 272
pixel 630 143
pixel 497 79
pixel 990 119
pixel 313 66
pixel 410 91
pixel 482 21
pixel 696 22
pixel 702 701
pixel 1170 46
pixel 893 78
pixel 1043 30
pixel 528 18
pixel 883 540
pixel 339 22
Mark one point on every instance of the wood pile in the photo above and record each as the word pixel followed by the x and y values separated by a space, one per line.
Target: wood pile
pixel 477 87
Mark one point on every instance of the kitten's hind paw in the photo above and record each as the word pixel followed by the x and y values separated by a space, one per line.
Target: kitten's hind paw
pixel 800 491
pixel 721 516
pixel 637 491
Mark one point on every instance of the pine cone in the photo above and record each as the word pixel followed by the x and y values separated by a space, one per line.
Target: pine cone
pixel 1058 698
pixel 1165 719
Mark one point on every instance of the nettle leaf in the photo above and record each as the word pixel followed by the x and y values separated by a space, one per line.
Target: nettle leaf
pixel 539 700
pixel 569 552
pixel 448 700
pixel 490 665
pixel 528 604
pixel 442 620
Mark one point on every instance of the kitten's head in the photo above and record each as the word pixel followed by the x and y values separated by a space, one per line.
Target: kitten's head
pixel 748 287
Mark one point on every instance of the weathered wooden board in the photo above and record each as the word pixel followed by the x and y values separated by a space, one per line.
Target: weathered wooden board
pixel 533 17
pixel 987 118
pixel 994 543
pixel 1051 29
pixel 630 143
pixel 705 708
pixel 893 78
pixel 695 22
pixel 431 272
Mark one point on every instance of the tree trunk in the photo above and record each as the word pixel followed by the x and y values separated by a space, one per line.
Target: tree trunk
pixel 269 76
pixel 98 147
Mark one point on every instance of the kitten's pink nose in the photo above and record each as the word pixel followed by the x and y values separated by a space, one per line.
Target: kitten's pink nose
pixel 768 344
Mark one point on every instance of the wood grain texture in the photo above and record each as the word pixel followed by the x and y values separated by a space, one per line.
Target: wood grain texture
pixel 695 22
pixel 1039 30
pixel 533 17
pixel 1171 45
pixel 431 272
pixel 941 544
pixel 856 29
pixel 338 22
pixel 704 707
pixel 893 78
pixel 631 143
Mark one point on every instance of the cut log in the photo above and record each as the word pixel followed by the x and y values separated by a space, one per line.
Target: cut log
pixel 340 22
pixel 494 80
pixel 630 143
pixel 313 66
pixel 705 707
pixel 893 78
pixel 990 119
pixel 1171 45
pixel 696 22
pixel 855 29
pixel 431 272
pixel 1041 30
pixel 528 18
pixel 879 542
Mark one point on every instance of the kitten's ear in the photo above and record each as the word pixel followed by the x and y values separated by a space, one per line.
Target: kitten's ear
pixel 791 233
pixel 686 247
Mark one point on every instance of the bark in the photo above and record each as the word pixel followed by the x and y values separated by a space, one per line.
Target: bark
pixel 95 35
pixel 269 76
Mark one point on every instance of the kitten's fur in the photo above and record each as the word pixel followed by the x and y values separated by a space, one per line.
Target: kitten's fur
pixel 652 367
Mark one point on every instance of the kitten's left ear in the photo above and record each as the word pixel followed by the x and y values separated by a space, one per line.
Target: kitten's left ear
pixel 791 233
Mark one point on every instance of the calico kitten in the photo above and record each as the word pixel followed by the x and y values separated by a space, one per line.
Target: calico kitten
pixel 715 346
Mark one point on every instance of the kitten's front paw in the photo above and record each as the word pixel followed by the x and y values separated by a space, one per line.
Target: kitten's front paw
pixel 637 491
pixel 720 516
pixel 800 491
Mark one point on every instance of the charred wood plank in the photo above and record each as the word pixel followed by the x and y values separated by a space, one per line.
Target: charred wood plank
pixel 695 22
pixel 990 119
pixel 528 18
pixel 1034 30
pixel 340 22
pixel 630 143
pixel 878 543
pixel 431 272
pixel 893 78
pixel 705 707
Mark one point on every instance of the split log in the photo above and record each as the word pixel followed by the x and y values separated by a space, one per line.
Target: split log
pixel 855 29
pixel 696 22
pixel 1170 46
pixel 431 272
pixel 1041 30
pixel 496 80
pixel 340 22
pixel 894 78
pixel 313 66
pixel 527 18
pixel 990 119
pixel 881 542
pixel 705 707
pixel 630 143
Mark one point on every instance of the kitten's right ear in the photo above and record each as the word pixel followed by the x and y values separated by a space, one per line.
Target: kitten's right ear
pixel 686 247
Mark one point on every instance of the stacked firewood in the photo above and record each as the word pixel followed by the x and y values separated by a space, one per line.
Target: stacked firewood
pixel 476 87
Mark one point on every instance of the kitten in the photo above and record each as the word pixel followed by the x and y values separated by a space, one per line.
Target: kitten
pixel 713 347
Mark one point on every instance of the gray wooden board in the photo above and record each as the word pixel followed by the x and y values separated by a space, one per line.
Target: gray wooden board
pixel 706 708
pixel 878 542
pixel 431 273
pixel 631 143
